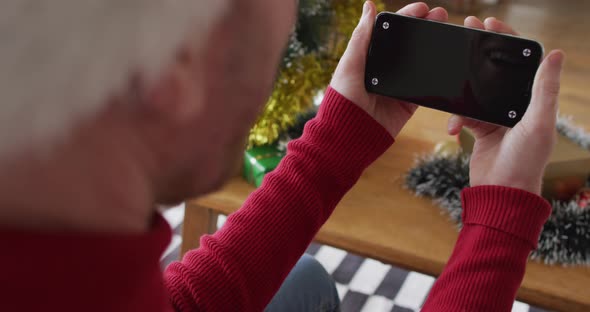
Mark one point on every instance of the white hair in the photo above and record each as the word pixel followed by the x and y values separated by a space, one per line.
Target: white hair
pixel 61 59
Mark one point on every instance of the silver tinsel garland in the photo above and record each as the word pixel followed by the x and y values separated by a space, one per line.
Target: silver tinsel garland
pixel 565 238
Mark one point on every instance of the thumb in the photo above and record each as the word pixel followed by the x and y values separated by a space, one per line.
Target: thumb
pixel 356 52
pixel 479 129
pixel 542 112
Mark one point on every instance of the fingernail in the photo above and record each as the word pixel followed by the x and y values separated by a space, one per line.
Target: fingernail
pixel 557 59
pixel 451 124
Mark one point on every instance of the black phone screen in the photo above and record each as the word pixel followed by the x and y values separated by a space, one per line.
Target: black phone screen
pixel 478 74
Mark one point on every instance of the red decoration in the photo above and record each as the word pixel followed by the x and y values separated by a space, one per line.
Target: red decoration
pixel 583 197
pixel 566 188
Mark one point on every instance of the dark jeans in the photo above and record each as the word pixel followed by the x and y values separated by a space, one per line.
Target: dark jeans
pixel 307 288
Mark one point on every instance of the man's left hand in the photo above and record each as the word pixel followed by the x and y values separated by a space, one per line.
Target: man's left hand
pixel 349 76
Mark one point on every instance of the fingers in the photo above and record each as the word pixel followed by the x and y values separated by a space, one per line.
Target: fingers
pixel 418 9
pixel 480 129
pixel 474 22
pixel 542 112
pixel 421 10
pixel 490 24
pixel 495 25
pixel 455 125
pixel 437 14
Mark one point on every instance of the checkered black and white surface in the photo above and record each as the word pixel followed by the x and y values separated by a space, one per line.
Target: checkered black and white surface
pixel 364 284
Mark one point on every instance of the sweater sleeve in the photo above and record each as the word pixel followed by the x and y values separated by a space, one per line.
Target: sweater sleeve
pixel 240 267
pixel 501 227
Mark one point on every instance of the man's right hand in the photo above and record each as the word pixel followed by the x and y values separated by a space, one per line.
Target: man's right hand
pixel 516 157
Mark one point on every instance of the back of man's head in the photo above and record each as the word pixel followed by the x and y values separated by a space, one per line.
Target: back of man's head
pixel 60 60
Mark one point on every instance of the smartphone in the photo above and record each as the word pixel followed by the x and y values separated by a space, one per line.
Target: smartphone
pixel 478 74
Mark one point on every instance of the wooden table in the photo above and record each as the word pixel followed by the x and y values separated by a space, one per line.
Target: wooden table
pixel 378 218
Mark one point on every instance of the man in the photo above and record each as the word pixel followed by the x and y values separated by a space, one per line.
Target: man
pixel 110 107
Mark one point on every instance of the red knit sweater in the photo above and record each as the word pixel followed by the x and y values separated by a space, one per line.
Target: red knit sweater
pixel 240 267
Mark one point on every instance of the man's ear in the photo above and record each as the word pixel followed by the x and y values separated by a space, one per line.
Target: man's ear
pixel 178 93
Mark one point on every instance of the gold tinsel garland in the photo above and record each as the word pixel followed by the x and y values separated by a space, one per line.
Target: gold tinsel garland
pixel 300 80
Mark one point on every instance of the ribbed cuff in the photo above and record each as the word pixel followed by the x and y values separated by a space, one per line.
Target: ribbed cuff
pixel 354 135
pixel 510 210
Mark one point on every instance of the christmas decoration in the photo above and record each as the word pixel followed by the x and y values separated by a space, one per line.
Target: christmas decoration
pixel 316 45
pixel 577 134
pixel 568 166
pixel 441 178
pixel 296 130
pixel 258 161
pixel 562 189
pixel 565 238
pixel 583 197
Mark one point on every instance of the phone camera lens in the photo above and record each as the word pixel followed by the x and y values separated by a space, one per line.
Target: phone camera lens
pixel 526 52
pixel 385 25
pixel 375 81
